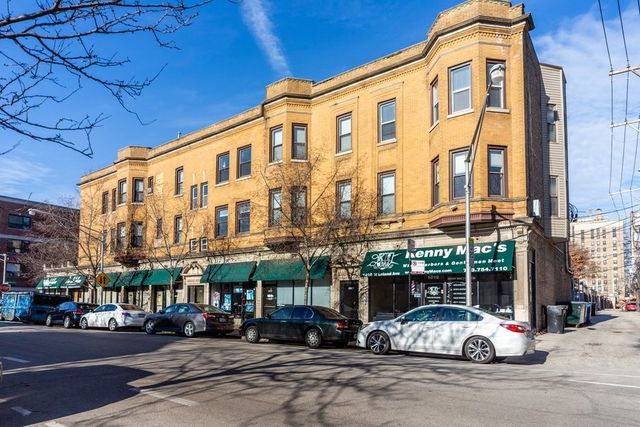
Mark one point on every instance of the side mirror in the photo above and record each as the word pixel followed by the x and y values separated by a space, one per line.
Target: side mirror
pixel 268 316
pixel 403 320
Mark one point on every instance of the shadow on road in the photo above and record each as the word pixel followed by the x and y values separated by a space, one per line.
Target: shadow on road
pixel 57 393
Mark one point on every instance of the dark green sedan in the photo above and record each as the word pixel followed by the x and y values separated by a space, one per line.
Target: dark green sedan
pixel 310 324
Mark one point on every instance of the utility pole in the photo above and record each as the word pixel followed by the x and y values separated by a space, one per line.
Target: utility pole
pixel 4 267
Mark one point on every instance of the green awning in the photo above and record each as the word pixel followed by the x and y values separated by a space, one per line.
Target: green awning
pixel 131 278
pixel 488 258
pixel 74 282
pixel 51 282
pixel 290 270
pixel 113 277
pixel 227 273
pixel 161 277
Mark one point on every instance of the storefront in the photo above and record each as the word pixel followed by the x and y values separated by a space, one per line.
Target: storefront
pixel 230 288
pixel 436 276
pixel 76 287
pixel 110 293
pixel 159 283
pixel 130 286
pixel 52 285
pixel 283 283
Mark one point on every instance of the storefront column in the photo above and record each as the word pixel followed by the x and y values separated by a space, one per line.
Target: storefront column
pixel 521 282
pixel 258 297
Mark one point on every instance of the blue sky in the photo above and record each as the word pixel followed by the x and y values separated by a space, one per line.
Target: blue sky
pixel 235 49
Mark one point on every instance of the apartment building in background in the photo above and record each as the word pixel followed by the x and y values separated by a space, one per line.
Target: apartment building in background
pixel 395 129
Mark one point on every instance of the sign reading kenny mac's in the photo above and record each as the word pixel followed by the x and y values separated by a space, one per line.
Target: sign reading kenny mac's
pixel 488 258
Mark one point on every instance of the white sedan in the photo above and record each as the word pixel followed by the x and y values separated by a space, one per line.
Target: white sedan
pixel 450 329
pixel 114 316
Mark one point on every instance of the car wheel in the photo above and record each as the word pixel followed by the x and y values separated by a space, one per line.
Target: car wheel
pixel 113 325
pixel 379 343
pixel 84 324
pixel 150 327
pixel 49 321
pixel 252 335
pixel 479 350
pixel 313 338
pixel 189 329
pixel 67 322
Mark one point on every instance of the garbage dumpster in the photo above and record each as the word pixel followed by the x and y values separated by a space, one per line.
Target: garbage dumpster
pixel 556 317
pixel 578 314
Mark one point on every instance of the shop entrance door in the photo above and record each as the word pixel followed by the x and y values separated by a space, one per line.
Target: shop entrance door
pixel 270 299
pixel 349 298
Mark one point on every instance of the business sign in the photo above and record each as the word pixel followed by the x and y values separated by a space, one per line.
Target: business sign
pixel 417 266
pixel 487 258
pixel 5 287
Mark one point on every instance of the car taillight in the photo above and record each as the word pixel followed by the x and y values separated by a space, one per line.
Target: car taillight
pixel 208 316
pixel 514 328
pixel 78 311
pixel 342 324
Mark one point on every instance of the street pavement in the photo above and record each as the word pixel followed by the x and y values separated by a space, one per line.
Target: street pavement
pixel 57 377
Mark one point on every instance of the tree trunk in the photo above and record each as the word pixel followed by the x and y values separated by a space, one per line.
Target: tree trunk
pixel 171 291
pixel 307 284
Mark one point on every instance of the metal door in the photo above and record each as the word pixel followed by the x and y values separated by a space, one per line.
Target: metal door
pixel 350 298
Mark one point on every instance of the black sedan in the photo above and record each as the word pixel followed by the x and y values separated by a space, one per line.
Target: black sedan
pixel 190 319
pixel 68 313
pixel 310 324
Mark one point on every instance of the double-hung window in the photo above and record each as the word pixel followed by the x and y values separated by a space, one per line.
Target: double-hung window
pixel 244 161
pixel 552 118
pixel 113 199
pixel 275 207
pixel 204 244
pixel 22 222
pixel 553 196
pixel 138 190
pixel 435 103
pixel 159 229
pixel 497 185
pixel 457 174
pixel 344 199
pixel 435 179
pixel 222 221
pixel 299 205
pixel 275 152
pixel 136 234
pixel 222 168
pixel 344 133
pixel 122 191
pixel 122 235
pixel 460 87
pixel 299 148
pixel 496 92
pixel 194 197
pixel 179 182
pixel 204 194
pixel 193 245
pixel 105 202
pixel 387 193
pixel 387 121
pixel 150 185
pixel 177 229
pixel 243 217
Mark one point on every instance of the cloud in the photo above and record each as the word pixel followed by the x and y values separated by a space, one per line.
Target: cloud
pixel 19 177
pixel 578 46
pixel 255 16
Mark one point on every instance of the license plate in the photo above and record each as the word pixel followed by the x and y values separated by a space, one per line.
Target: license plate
pixel 222 320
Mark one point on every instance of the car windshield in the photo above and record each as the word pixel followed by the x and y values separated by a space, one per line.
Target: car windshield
pixel 130 307
pixel 494 314
pixel 329 313
pixel 206 308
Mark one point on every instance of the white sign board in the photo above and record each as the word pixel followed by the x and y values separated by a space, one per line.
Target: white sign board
pixel 417 266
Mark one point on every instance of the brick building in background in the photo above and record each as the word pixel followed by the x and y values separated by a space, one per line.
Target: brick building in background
pixel 17 234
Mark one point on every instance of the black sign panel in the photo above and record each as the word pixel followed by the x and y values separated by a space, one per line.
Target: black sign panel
pixel 433 293
pixel 457 293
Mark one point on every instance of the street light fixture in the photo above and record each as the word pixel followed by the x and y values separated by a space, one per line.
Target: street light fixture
pixel 496 75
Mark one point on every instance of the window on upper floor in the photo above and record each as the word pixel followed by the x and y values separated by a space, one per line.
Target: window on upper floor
pixel 159 228
pixel 193 245
pixel 344 199
pixel 496 97
pixel 387 193
pixel 435 180
pixel 244 161
pixel 299 205
pixel 243 217
pixel 275 150
pixel 113 200
pixel 193 200
pixel 458 174
pixel 344 133
pixel 178 235
pixel 275 207
pixel 122 236
pixel 122 191
pixel 105 202
pixel 138 190
pixel 137 233
pixel 222 168
pixel 552 118
pixel 204 194
pixel 179 181
pixel 150 185
pixel 553 196
pixel 222 221
pixel 387 121
pixel 435 102
pixel 204 244
pixel 299 142
pixel 460 88
pixel 497 184
pixel 16 246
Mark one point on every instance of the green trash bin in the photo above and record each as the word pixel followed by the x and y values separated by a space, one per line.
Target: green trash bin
pixel 578 314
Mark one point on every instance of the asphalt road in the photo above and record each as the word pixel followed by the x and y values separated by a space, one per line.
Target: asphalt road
pixel 57 377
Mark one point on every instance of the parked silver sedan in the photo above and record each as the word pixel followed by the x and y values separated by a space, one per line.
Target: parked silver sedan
pixel 190 319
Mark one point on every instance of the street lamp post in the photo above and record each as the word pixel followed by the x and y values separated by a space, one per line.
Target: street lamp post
pixel 4 268
pixel 496 74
